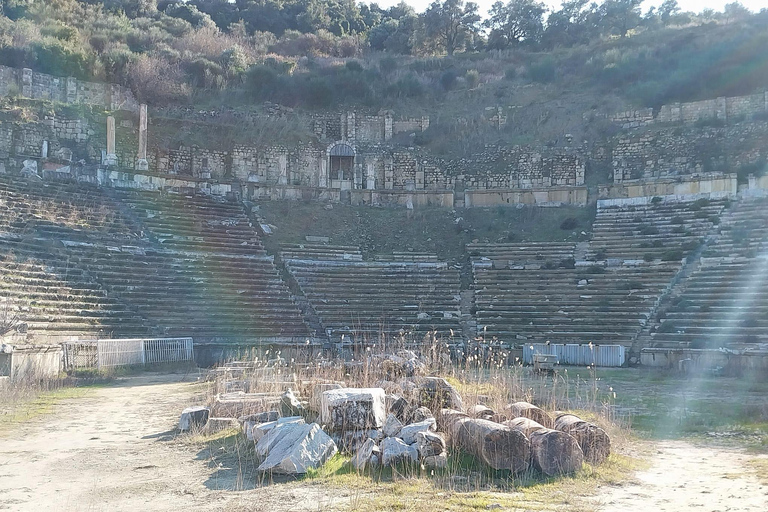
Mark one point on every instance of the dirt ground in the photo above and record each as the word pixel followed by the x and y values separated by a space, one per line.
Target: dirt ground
pixel 116 449
pixel 684 476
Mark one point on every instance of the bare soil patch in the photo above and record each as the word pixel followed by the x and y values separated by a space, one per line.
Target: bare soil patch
pixel 686 476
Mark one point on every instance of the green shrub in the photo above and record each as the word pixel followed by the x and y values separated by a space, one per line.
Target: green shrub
pixel 568 263
pixel 542 71
pixel 473 78
pixel 569 223
pixel 656 200
pixel 354 66
pixel 510 73
pixel 649 230
pixel 648 257
pixel 676 220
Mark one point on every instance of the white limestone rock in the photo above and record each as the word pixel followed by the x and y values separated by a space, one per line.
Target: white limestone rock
pixel 256 430
pixel 353 408
pixel 394 450
pixel 408 432
pixel 301 448
pixel 274 434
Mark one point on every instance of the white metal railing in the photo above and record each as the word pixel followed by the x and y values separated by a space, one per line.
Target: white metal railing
pixel 126 352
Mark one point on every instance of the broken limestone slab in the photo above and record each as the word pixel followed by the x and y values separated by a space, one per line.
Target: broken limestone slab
pixel 353 408
pixel 258 430
pixel 273 435
pixel 429 444
pixel 364 454
pixel 392 426
pixel 302 447
pixel 290 405
pixel 234 405
pixel 408 432
pixel 394 450
pixel 193 417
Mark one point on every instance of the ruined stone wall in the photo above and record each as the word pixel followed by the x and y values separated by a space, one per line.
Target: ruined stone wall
pixel 725 109
pixel 672 152
pixel 30 84
pixel 518 167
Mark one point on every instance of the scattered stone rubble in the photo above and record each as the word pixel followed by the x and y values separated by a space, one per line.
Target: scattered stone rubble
pixel 393 424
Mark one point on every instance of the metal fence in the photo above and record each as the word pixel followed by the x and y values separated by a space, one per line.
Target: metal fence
pixel 578 355
pixel 126 352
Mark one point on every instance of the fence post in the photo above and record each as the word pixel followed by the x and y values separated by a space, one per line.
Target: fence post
pixel 143 352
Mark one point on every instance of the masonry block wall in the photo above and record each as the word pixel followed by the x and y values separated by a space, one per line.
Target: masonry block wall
pixel 674 152
pixel 30 84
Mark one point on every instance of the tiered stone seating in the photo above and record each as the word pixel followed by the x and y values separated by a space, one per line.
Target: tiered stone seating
pixel 653 231
pixel 207 297
pixel 527 293
pixel 147 264
pixel 59 210
pixel 194 223
pixel 55 300
pixel 364 300
pixel 725 300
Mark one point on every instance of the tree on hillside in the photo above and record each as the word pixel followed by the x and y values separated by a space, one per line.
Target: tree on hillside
pixel 668 10
pixel 451 24
pixel 619 16
pixel 574 23
pixel 515 22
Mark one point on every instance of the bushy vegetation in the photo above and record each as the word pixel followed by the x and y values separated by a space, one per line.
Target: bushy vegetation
pixel 318 53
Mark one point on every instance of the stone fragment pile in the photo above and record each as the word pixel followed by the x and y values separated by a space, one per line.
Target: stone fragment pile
pixel 413 422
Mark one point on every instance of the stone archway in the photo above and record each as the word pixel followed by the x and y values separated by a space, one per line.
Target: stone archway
pixel 341 165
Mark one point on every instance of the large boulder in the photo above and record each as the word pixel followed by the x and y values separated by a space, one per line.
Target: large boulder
pixel 394 450
pixel 299 449
pixel 437 393
pixel 353 408
pixel 193 418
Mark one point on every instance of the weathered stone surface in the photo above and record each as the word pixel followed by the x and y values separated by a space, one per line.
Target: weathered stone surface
pixel 420 414
pixel 436 393
pixel 256 430
pixel 399 407
pixel 439 461
pixel 362 457
pixel 408 432
pixel 350 440
pixel 353 408
pixel 429 444
pixel 290 405
pixel 300 448
pixel 392 426
pixel 394 450
pixel 267 436
pixel 316 395
pixel 193 417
